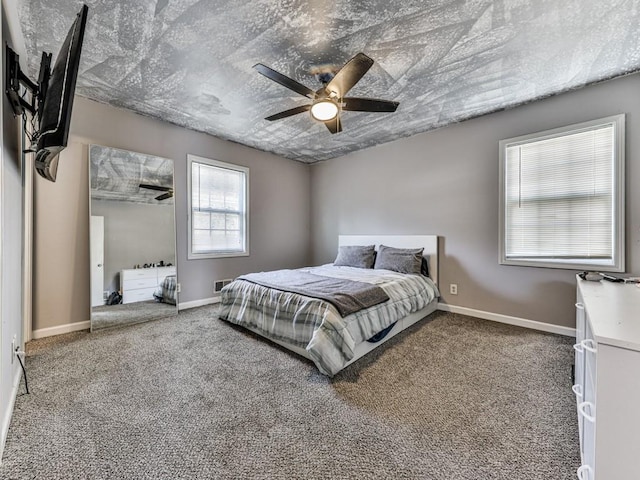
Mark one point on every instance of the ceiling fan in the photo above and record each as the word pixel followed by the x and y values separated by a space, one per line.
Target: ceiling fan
pixel 330 99
pixel 168 190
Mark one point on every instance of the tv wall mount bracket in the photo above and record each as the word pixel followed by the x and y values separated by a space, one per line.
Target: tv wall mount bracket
pixel 16 78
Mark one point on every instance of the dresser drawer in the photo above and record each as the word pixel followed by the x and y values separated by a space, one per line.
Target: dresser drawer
pixel 137 283
pixel 580 322
pixel 139 295
pixel 590 361
pixel 137 273
pixel 587 413
pixel 589 386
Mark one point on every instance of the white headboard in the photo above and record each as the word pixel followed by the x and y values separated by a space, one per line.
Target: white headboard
pixel 429 242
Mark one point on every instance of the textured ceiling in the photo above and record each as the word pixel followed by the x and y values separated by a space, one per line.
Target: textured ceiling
pixel 189 61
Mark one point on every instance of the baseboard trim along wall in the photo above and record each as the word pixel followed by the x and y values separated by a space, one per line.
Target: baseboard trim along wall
pixel 74 327
pixel 198 303
pixel 6 421
pixel 496 317
pixel 520 322
pixel 60 329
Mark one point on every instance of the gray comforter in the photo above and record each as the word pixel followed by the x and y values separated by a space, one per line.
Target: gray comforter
pixel 315 325
pixel 348 296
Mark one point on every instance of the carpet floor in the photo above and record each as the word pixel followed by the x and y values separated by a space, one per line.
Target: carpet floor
pixel 106 316
pixel 451 398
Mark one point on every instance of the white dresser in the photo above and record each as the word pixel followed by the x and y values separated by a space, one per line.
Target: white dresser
pixel 138 284
pixel 607 388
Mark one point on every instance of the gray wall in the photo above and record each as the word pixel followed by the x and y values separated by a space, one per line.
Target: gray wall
pixel 11 228
pixel 445 182
pixel 279 210
pixel 134 233
pixel 61 242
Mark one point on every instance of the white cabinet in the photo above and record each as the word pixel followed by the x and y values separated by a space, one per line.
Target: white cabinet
pixel 138 284
pixel 607 373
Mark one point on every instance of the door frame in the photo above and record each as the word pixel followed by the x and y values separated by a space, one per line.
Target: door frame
pixel 93 238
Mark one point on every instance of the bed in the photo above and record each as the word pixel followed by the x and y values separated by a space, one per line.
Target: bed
pixel 166 291
pixel 322 330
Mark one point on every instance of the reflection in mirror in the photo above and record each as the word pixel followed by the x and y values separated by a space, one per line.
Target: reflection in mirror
pixel 132 229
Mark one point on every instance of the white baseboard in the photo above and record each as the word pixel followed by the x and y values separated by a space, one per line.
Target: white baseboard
pixel 198 303
pixel 6 418
pixel 520 322
pixel 73 327
pixel 60 329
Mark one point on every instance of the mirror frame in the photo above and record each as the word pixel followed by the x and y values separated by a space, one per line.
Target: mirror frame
pixel 128 186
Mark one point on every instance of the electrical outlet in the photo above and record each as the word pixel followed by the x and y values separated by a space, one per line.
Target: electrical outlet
pixel 178 288
pixel 453 289
pixel 14 345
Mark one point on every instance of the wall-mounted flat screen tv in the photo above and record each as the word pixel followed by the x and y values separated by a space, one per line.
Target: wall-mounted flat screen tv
pixel 51 97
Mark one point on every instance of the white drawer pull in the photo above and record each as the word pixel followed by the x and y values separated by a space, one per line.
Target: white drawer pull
pixel 584 472
pixel 578 347
pixel 582 410
pixel 577 389
pixel 580 306
pixel 589 345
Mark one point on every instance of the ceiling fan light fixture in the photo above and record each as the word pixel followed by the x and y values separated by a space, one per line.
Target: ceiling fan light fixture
pixel 324 110
pixel 330 100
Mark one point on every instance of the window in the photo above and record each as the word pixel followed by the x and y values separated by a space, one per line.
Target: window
pixel 562 197
pixel 218 209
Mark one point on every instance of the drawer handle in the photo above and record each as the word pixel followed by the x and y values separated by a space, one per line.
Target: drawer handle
pixel 584 472
pixel 578 347
pixel 580 306
pixel 589 345
pixel 582 407
pixel 577 389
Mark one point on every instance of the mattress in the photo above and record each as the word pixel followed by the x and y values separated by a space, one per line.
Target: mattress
pixel 314 325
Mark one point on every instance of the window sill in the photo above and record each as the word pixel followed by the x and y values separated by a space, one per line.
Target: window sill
pixel 198 256
pixel 578 264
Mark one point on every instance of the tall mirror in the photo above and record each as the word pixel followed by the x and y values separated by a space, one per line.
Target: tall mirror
pixel 133 241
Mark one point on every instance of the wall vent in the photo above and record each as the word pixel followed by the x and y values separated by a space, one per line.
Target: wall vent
pixel 220 284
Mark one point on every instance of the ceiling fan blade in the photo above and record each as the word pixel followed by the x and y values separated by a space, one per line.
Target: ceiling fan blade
pixel 150 186
pixel 335 125
pixel 349 75
pixel 368 105
pixel 164 196
pixel 285 81
pixel 289 113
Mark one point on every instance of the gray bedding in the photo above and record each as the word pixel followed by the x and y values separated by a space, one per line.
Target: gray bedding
pixel 348 296
pixel 166 291
pixel 313 324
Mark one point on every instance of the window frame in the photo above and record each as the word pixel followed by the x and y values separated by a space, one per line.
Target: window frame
pixel 617 263
pixel 191 255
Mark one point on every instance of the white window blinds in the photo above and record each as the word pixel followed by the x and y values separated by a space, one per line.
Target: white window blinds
pixel 218 209
pixel 560 195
